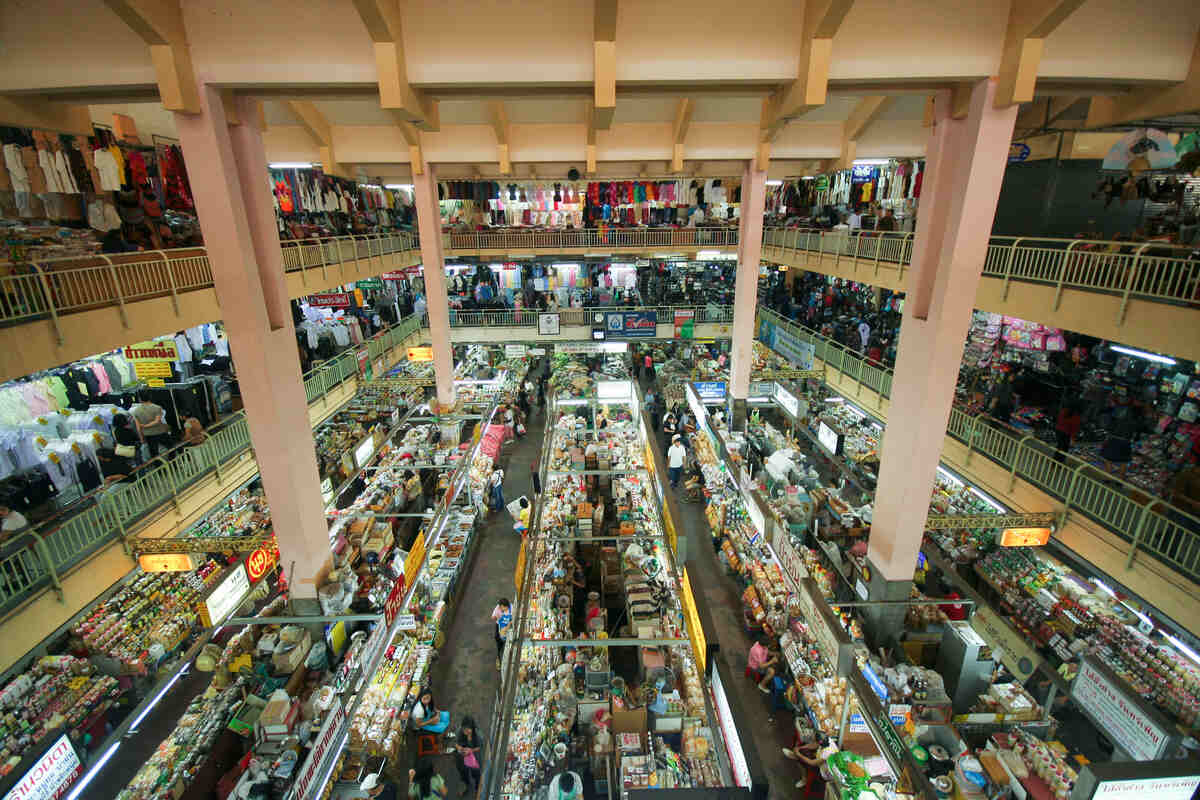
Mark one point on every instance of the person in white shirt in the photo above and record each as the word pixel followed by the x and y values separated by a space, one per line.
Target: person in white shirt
pixel 565 786
pixel 864 333
pixel 675 457
pixel 496 484
pixel 855 221
pixel 13 522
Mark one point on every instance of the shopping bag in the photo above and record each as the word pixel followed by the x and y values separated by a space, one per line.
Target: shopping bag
pixel 471 761
pixel 514 507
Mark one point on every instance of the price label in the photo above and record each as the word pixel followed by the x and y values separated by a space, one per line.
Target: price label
pixel 406 622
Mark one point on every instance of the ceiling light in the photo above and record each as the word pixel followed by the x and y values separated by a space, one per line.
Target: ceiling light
pixel 408 186
pixel 77 790
pixel 774 183
pixel 708 254
pixel 999 509
pixel 1129 351
pixel 1104 588
pixel 1189 652
pixel 865 162
pixel 808 178
pixel 290 165
pixel 949 477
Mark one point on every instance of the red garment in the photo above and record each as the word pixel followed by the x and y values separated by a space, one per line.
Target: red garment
pixel 1068 423
pixel 284 193
pixel 955 611
pixel 917 187
pixel 137 169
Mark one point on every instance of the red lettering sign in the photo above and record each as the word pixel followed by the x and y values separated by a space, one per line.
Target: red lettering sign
pixel 259 562
pixel 395 602
pixel 333 300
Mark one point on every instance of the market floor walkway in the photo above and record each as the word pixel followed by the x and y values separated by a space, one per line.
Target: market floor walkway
pixel 724 600
pixel 465 677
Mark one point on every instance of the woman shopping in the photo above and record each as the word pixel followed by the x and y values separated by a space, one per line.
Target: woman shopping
pixel 468 746
pixel 424 784
pixel 427 717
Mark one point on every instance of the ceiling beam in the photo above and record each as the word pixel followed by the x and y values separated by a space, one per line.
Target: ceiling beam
pixel 1140 104
pixel 499 118
pixel 28 111
pixel 1029 23
pixel 762 148
pixel 382 19
pixel 867 110
pixel 412 137
pixel 604 62
pixel 314 122
pixel 159 23
pixel 822 18
pixel 683 119
pixel 589 149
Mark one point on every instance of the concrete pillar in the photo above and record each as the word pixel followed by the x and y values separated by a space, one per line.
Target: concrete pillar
pixel 429 223
pixel 235 209
pixel 965 167
pixel 745 294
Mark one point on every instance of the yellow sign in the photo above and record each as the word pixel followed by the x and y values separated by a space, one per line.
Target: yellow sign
pixel 415 556
pixel 166 562
pixel 152 351
pixel 695 631
pixel 519 574
pixel 1024 537
pixel 420 354
pixel 669 527
pixel 152 369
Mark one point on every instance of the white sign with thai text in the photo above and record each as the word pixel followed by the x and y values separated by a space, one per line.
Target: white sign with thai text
pixel 1117 714
pixel 51 776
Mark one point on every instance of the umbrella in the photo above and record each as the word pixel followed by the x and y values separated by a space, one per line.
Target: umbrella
pixel 1148 146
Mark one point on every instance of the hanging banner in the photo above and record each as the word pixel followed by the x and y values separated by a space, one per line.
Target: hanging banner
pixel 420 354
pixel 685 323
pixel 330 300
pixel 631 324
pixel 394 602
pixel 365 371
pixel 710 391
pixel 369 283
pixel 785 343
pixel 152 360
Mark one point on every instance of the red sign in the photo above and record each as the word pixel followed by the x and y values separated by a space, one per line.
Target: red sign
pixel 332 300
pixel 259 562
pixel 395 602
pixel 395 276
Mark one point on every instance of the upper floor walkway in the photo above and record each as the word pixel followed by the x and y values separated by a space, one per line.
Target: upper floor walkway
pixel 1146 295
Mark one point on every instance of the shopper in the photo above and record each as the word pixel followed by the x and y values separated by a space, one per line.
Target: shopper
pixel 125 438
pixel 522 516
pixel 150 420
pixel 535 474
pixel 425 784
pixel 11 522
pixel 468 746
pixel 193 432
pixel 377 789
pixel 427 717
pixel 1117 450
pixel 675 457
pixel 496 484
pixel 669 427
pixel 502 616
pixel 1066 429
pixel 566 786
pixel 761 662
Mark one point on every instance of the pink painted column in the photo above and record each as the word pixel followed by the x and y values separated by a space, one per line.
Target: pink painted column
pixel 429 224
pixel 234 206
pixel 745 293
pixel 966 159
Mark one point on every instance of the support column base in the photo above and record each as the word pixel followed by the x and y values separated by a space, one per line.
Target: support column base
pixel 884 624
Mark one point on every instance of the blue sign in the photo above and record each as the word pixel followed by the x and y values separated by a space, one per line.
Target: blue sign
pixel 1017 152
pixel 710 391
pixel 782 341
pixel 631 324
pixel 875 684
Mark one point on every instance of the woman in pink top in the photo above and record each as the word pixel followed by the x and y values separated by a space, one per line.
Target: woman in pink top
pixel 762 663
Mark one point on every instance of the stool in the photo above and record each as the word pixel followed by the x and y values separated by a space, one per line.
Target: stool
pixel 753 674
pixel 430 744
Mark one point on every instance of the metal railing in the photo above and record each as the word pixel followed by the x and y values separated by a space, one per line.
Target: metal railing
pixel 528 318
pixel 34 559
pixel 1148 524
pixel 1146 271
pixel 52 287
pixel 601 240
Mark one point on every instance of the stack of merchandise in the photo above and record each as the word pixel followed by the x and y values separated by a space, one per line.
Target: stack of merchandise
pixel 982 338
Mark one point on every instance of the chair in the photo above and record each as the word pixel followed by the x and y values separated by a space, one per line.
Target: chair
pixel 430 744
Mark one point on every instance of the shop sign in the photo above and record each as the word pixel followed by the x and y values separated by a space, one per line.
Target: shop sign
pixel 519 572
pixel 52 774
pixel 631 324
pixel 321 749
pixel 787 401
pixel 420 354
pixel 876 685
pixel 166 562
pixel 415 556
pixel 369 283
pixel 710 391
pixel 537 351
pixel 394 276
pixel 789 559
pixel 1118 714
pixel 364 451
pixel 1024 537
pixel 1015 653
pixel 1181 788
pixel 822 183
pixel 784 342
pixel 830 439
pixel 226 597
pixel 1018 152
pixel 260 562
pixel 152 351
pixel 695 630
pixel 515 350
pixel 394 602
pixel 406 622
pixel 548 324
pixel 327 490
pixel 330 300
pixel 693 400
pixel 729 732
pixel 685 323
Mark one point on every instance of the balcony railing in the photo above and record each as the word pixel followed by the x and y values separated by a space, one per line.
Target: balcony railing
pixel 1152 271
pixel 33 560
pixel 1165 531
pixel 528 318
pixel 64 286
pixel 602 241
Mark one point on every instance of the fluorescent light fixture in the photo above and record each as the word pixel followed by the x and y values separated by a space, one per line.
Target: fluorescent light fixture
pixel 999 509
pixel 1183 648
pixel 1138 614
pixel 1101 585
pixel 774 183
pixel 398 186
pixel 875 162
pixel 809 178
pixel 156 700
pixel 708 253
pixel 946 474
pixel 370 185
pixel 1129 351
pixel 91 773
pixel 835 399
pixel 290 165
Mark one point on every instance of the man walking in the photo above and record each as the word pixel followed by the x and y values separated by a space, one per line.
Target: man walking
pixel 675 456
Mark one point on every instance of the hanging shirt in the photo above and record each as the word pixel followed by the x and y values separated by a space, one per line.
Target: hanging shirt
pixel 183 349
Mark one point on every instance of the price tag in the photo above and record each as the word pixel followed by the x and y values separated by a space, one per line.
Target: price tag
pixel 406 622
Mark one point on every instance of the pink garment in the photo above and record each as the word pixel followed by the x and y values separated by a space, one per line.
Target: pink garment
pixel 758 657
pixel 35 399
pixel 102 377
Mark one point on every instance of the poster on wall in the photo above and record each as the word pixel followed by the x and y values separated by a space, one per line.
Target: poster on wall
pixel 548 324
pixel 685 323
pixel 631 324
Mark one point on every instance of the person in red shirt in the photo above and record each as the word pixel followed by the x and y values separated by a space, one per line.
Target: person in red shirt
pixel 955 611
pixel 1066 429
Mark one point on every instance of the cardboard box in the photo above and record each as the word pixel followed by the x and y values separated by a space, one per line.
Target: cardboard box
pixel 629 721
pixel 247 715
pixel 288 656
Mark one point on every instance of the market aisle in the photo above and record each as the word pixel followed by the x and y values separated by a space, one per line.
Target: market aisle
pixel 465 677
